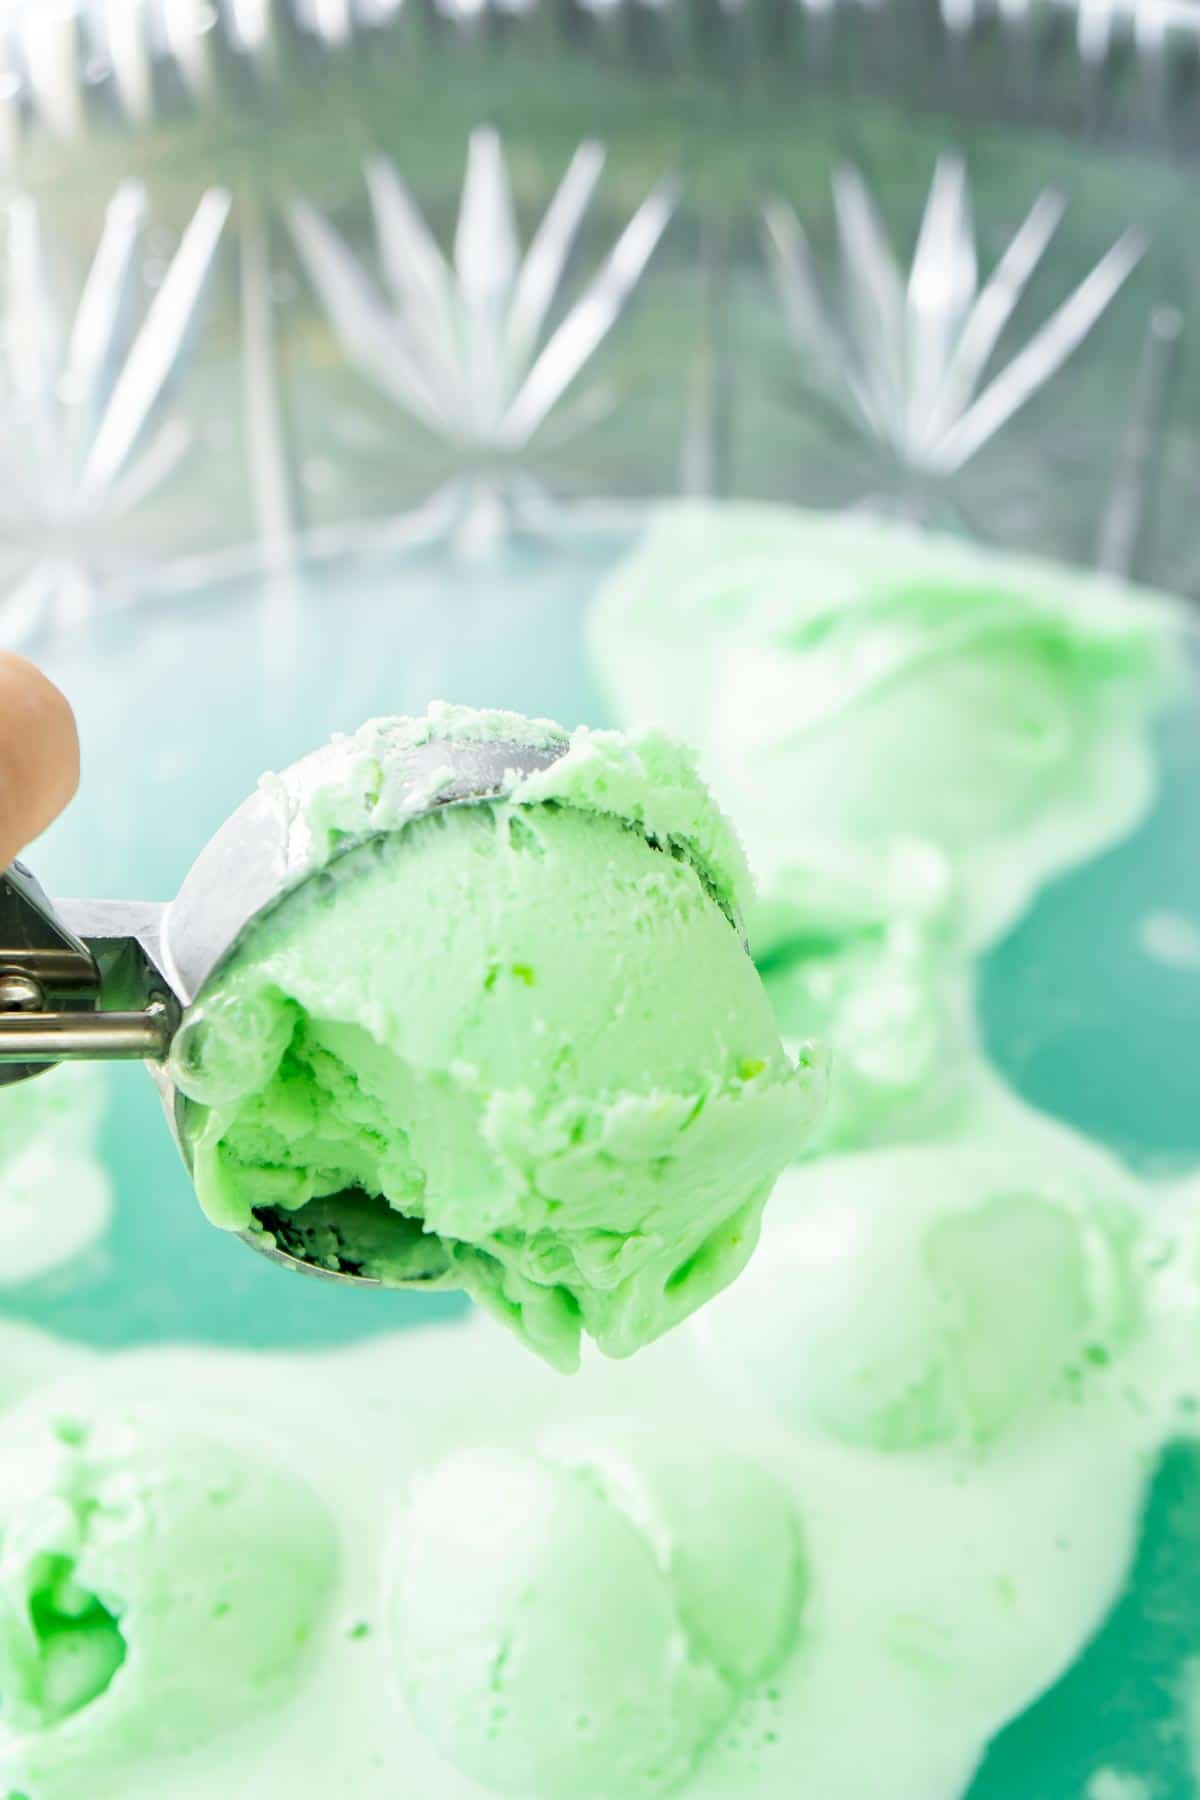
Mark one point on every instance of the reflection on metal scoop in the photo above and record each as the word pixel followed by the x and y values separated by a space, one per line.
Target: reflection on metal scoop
pixel 109 980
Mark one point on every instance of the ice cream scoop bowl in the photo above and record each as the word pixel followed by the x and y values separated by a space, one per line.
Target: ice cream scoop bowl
pixel 96 980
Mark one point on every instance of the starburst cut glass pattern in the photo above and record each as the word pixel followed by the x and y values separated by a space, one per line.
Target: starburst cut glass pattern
pixel 481 348
pixel 911 364
pixel 90 428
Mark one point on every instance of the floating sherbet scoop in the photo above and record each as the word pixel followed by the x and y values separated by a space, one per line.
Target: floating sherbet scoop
pixel 460 1001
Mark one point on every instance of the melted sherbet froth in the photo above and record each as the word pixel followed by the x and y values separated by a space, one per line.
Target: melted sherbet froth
pixel 864 951
pixel 515 1047
pixel 55 1193
pixel 1019 1277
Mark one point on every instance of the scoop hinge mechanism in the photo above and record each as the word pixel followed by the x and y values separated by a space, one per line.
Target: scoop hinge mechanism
pixel 80 980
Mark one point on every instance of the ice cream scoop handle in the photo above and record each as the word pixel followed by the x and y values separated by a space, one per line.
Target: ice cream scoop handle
pixel 53 1037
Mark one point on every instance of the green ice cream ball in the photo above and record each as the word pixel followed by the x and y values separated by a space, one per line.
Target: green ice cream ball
pixel 862 681
pixel 580 1630
pixel 156 1589
pixel 524 1052
pixel 907 1298
pixel 724 1530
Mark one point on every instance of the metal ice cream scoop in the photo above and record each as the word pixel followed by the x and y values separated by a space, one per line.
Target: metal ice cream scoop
pixel 109 980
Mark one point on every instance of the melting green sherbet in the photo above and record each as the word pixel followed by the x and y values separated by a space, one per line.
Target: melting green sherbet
pixel 517 1048
pixel 862 952
pixel 852 681
pixel 579 1625
pixel 947 1294
pixel 55 1194
pixel 156 1587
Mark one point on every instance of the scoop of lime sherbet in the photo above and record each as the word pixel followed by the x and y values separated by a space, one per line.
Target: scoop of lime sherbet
pixel 579 1629
pixel 515 1047
pixel 156 1587
pixel 863 953
pixel 850 680
pixel 948 1293
pixel 723 1529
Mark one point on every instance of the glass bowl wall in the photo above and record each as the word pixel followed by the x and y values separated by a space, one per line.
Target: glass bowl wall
pixel 343 346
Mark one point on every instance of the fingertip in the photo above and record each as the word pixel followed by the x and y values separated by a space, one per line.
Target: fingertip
pixel 39 753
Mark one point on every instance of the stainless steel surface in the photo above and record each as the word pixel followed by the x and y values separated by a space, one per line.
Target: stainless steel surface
pixel 43 965
pixel 45 1037
pixel 21 993
pixel 271 1248
pixel 61 964
pixel 36 942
